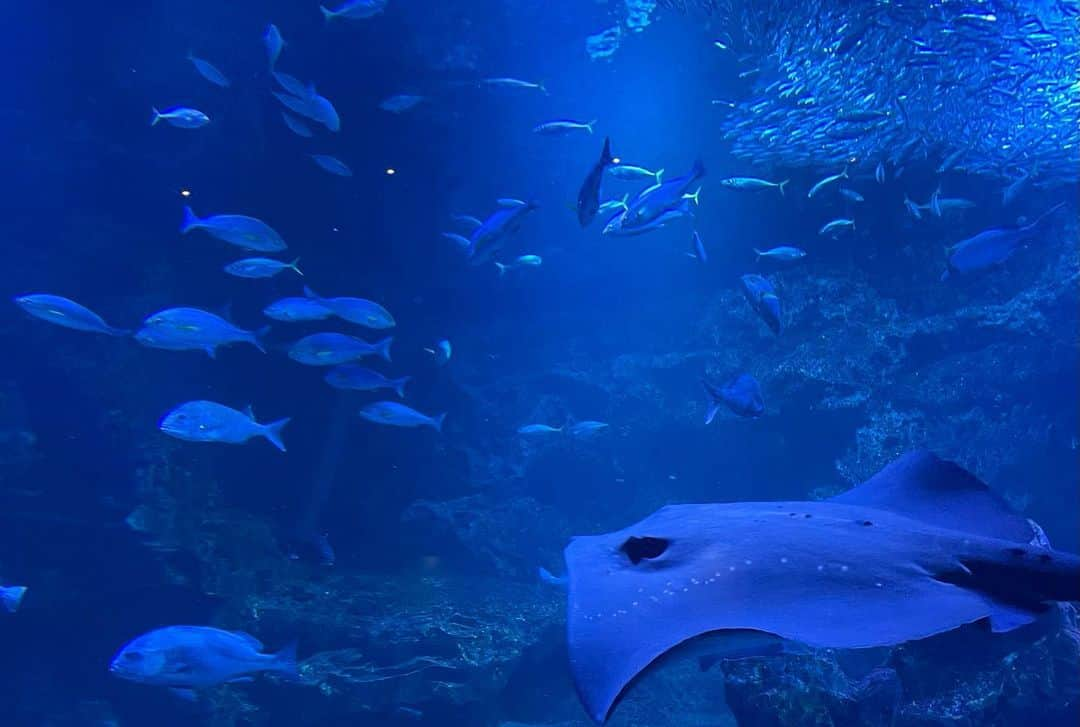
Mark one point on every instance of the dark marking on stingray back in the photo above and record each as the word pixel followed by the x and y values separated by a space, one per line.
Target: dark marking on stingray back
pixel 646 548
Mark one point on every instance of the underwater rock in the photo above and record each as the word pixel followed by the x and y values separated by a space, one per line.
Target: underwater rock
pixel 511 535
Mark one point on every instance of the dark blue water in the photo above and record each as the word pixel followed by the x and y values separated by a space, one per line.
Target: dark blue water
pixel 116 529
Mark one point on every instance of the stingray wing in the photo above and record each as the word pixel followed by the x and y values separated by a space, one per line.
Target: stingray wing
pixel 845 574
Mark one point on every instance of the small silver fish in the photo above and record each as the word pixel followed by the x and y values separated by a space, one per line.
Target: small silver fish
pixel 826 181
pixel 260 267
pixel 835 225
pixel 181 117
pixel 562 127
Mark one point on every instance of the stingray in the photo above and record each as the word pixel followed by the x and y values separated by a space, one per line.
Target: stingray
pixel 921 548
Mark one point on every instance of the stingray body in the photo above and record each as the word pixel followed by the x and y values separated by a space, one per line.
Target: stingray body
pixel 921 548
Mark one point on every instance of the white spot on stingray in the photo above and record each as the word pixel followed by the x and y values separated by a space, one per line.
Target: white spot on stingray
pixel 716 574
pixel 731 568
pixel 634 603
pixel 844 568
pixel 685 589
pixel 654 599
pixel 783 559
pixel 748 561
pixel 879 584
pixel 820 568
pixel 695 581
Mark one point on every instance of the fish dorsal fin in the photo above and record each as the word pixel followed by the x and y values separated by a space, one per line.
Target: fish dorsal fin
pixel 249 639
pixel 924 487
pixel 510 203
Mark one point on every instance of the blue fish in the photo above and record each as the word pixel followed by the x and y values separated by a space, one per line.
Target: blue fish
pixel 763 299
pixel 355 310
pixel 67 313
pixel 198 657
pixel 180 329
pixel 208 421
pixel 293 85
pixel 398 415
pixel 661 198
pixel 359 378
pixel 400 103
pixel 586 429
pixel 991 247
pixel 354 10
pixel 331 164
pixel 330 349
pixel 297 126
pixel 274 43
pixel 529 429
pixel 699 248
pixel 260 267
pixel 561 127
pixel 588 201
pixel 742 395
pixel 312 106
pixel 617 226
pixel 11 597
pixel 209 71
pixel 297 309
pixel 493 232
pixel 240 230
pixel 783 253
pixel 181 117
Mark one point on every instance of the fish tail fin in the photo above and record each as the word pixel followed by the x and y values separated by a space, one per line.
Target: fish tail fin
pixel 156 116
pixel 285 661
pixel 606 159
pixel 327 13
pixel 695 197
pixel 382 348
pixel 591 124
pixel 190 221
pixel 399 385
pixel 293 266
pixel 698 170
pixel 272 432
pixel 437 422
pixel 12 598
pixel 501 268
pixel 759 254
pixel 659 177
pixel 543 88
pixel 309 293
pixel 257 338
pixel 844 173
pixel 782 185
